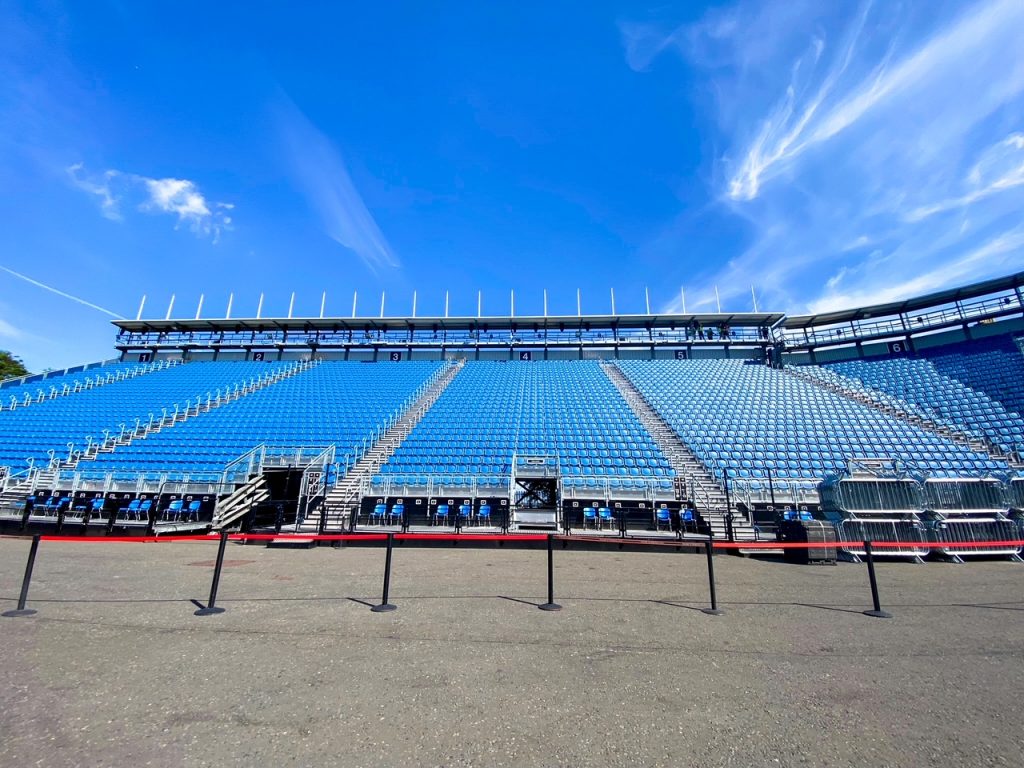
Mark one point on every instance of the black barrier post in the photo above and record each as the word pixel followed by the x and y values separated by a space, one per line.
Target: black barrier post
pixel 728 507
pixel 211 608
pixel 112 517
pixel 714 610
pixel 384 604
pixel 21 610
pixel 551 605
pixel 878 613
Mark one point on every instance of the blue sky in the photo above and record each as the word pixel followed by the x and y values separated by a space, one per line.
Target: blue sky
pixel 829 154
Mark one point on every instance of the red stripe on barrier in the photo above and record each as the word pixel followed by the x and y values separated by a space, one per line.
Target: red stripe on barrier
pixel 641 542
pixel 307 536
pixel 471 537
pixel 747 545
pixel 126 539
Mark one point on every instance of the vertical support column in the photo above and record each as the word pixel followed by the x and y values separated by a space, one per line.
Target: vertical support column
pixel 211 607
pixel 551 605
pixel 21 610
pixel 385 606
pixel 714 610
pixel 877 611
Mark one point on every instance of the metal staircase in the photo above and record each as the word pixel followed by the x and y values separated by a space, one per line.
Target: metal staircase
pixel 701 487
pixel 340 504
pixel 14 495
pixel 902 410
pixel 233 508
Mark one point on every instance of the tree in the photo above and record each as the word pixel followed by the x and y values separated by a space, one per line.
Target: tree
pixel 11 366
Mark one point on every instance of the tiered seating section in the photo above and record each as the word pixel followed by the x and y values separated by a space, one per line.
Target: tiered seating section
pixel 339 403
pixel 957 387
pixel 31 432
pixel 492 411
pixel 744 420
pixel 993 366
pixel 39 386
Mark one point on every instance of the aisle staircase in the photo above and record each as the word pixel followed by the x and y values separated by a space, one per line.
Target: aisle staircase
pixel 701 487
pixel 189 411
pixel 343 500
pixel 899 409
pixel 89 382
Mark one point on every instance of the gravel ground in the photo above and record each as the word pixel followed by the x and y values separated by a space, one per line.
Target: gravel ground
pixel 116 671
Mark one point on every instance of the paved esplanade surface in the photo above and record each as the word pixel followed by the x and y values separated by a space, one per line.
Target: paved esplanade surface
pixel 115 670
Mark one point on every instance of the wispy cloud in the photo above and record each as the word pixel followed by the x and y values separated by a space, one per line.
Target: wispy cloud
pixel 179 197
pixel 61 293
pixel 1000 168
pixel 852 288
pixel 319 170
pixel 866 153
pixel 100 187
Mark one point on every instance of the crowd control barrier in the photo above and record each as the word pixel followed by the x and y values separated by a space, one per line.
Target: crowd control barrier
pixel 388 539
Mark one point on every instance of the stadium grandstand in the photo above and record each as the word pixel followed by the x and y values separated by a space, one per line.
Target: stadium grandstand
pixel 899 421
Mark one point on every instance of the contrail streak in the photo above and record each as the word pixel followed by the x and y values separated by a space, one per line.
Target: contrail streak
pixel 51 289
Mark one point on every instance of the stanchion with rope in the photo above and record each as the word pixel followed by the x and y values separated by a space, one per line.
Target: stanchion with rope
pixel 21 610
pixel 877 611
pixel 551 605
pixel 211 606
pixel 714 610
pixel 385 606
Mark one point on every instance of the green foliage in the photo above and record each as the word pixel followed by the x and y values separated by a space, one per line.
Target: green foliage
pixel 11 366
